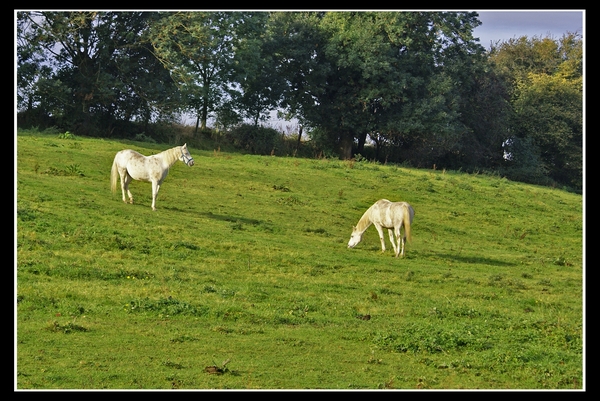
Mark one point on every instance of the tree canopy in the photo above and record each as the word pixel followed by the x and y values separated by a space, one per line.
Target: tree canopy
pixel 402 87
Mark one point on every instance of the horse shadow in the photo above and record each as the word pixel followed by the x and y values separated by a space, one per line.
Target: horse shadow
pixel 231 219
pixel 479 260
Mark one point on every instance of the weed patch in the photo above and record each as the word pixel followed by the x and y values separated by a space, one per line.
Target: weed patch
pixel 165 307
pixel 66 328
pixel 71 170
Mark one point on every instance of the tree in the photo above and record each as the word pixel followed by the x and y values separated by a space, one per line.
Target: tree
pixel 91 64
pixel 256 85
pixel 546 86
pixel 30 65
pixel 386 73
pixel 549 110
pixel 441 67
pixel 198 50
pixel 294 38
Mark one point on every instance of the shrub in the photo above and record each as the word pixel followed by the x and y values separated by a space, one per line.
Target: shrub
pixel 256 139
pixel 143 138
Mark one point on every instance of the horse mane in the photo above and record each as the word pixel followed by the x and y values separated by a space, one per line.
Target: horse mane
pixel 171 155
pixel 365 221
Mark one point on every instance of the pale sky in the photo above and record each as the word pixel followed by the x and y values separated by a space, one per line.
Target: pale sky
pixel 504 25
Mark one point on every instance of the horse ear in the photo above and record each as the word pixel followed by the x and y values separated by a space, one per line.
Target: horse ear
pixel 185 145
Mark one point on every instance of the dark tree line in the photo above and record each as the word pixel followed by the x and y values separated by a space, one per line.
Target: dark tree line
pixel 402 87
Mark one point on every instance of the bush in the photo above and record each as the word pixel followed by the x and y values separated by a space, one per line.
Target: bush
pixel 255 139
pixel 524 162
pixel 144 138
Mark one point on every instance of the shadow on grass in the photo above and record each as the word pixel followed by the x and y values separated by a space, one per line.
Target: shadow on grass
pixel 471 259
pixel 211 215
pixel 231 219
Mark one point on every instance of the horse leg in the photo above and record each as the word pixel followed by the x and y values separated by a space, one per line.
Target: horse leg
pixel 155 188
pixel 393 241
pixel 125 180
pixel 403 241
pixel 380 231
pixel 122 175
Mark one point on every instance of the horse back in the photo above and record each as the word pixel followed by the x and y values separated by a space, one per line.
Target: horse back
pixel 400 208
pixel 138 166
pixel 391 214
pixel 123 157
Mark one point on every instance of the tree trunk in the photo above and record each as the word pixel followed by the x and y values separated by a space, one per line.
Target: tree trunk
pixel 197 123
pixel 362 138
pixel 299 138
pixel 346 143
pixel 204 117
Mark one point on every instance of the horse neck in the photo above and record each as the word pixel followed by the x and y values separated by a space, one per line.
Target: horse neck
pixel 364 222
pixel 171 156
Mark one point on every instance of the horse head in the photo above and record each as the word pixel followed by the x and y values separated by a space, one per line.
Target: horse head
pixel 185 156
pixel 355 238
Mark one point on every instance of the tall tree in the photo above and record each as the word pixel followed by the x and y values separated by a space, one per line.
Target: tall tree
pixel 198 49
pixel 549 110
pixel 92 56
pixel 256 86
pixel 296 46
pixel 385 73
pixel 30 64
pixel 546 80
pixel 486 112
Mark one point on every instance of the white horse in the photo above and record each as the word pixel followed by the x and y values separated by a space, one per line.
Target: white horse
pixel 386 214
pixel 131 165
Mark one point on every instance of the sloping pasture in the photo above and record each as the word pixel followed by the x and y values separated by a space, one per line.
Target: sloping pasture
pixel 242 280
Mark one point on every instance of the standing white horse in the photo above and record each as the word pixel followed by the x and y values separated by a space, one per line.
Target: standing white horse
pixel 386 214
pixel 131 165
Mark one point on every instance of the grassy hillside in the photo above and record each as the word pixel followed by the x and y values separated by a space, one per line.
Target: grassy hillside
pixel 242 280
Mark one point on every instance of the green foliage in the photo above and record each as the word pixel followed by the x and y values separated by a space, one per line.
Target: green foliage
pixel 255 70
pixel 144 138
pixel 71 170
pixel 253 138
pixel 347 56
pixel 103 73
pixel 197 49
pixel 545 78
pixel 66 135
pixel 246 263
pixel 414 85
pixel 525 162
pixel 549 110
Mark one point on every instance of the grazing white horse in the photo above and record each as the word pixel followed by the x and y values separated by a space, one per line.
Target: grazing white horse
pixel 386 214
pixel 131 165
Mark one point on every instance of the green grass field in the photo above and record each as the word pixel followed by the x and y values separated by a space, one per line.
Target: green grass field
pixel 242 279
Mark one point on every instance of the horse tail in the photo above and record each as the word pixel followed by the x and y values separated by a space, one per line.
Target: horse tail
pixel 406 220
pixel 113 176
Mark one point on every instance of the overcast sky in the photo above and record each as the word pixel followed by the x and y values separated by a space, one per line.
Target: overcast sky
pixel 504 25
